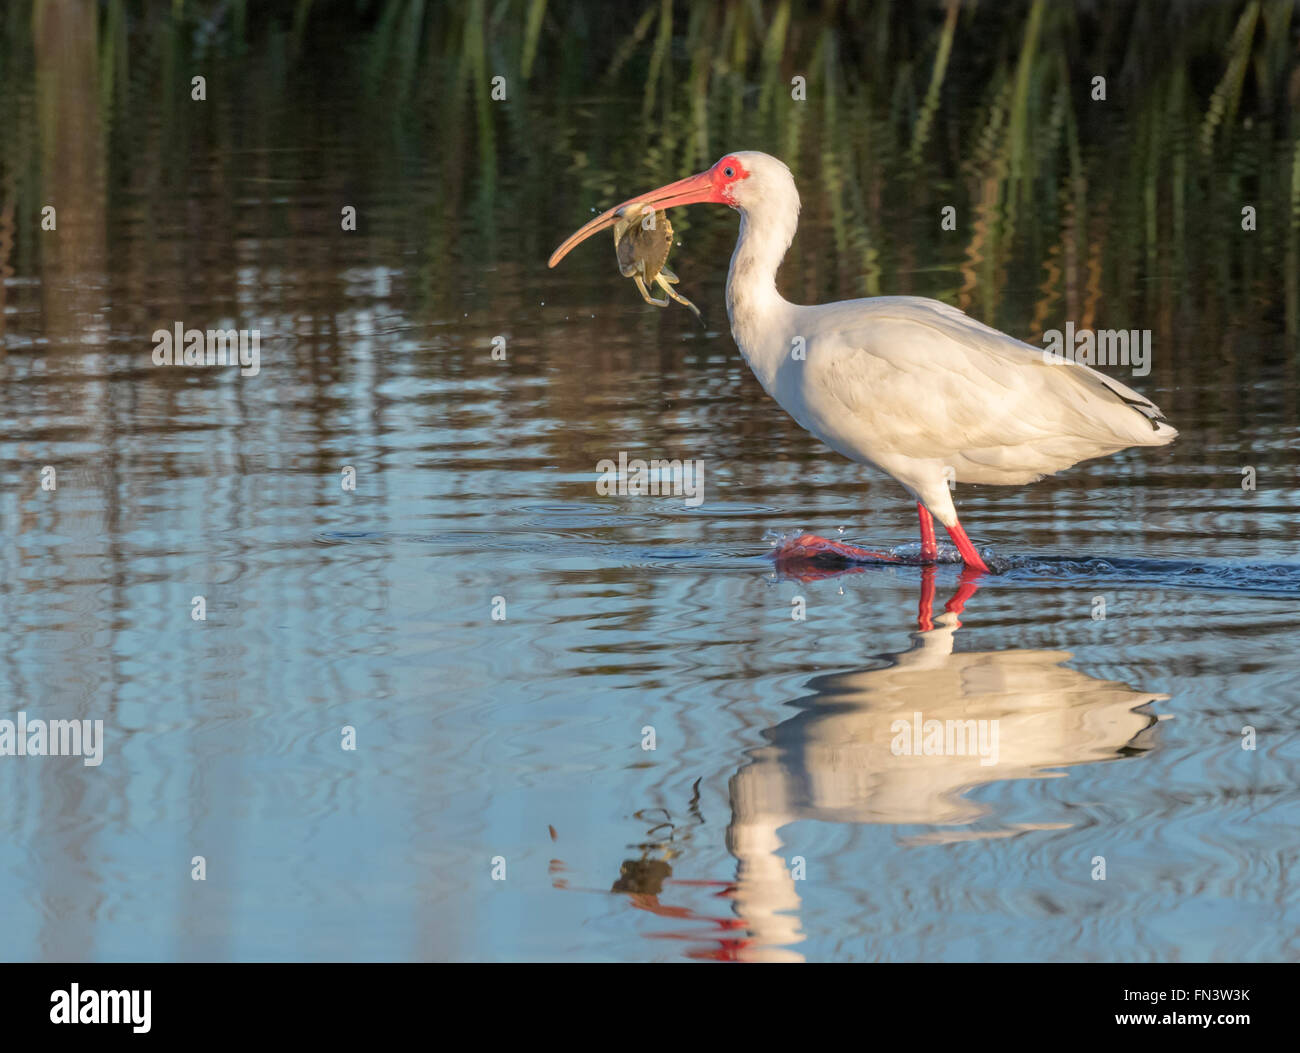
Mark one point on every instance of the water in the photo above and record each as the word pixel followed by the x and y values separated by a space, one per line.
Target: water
pixel 772 820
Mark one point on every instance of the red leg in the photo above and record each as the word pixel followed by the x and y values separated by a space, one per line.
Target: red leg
pixel 929 550
pixel 925 607
pixel 967 550
pixel 965 590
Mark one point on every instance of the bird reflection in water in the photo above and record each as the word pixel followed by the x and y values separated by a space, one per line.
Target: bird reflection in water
pixel 836 760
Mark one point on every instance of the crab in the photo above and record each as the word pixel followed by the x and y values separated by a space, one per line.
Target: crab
pixel 642 240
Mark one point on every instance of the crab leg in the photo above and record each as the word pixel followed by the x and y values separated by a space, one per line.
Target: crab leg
pixel 677 296
pixel 645 293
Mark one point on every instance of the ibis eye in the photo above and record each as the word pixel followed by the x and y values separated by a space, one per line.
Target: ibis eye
pixel 729 172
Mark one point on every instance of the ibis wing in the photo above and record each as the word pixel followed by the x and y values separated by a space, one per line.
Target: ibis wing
pixel 928 380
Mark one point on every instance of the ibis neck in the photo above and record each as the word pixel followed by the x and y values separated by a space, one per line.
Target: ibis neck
pixel 753 303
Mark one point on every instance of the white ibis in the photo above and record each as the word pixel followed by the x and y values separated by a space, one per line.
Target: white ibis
pixel 909 385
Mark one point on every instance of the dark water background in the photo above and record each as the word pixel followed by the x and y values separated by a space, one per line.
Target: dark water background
pixel 772 820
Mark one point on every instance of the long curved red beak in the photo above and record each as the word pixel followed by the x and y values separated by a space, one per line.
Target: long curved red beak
pixel 689 191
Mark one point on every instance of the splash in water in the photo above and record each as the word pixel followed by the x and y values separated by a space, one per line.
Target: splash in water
pixel 798 552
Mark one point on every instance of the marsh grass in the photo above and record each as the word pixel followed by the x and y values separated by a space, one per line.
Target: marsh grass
pixel 910 107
